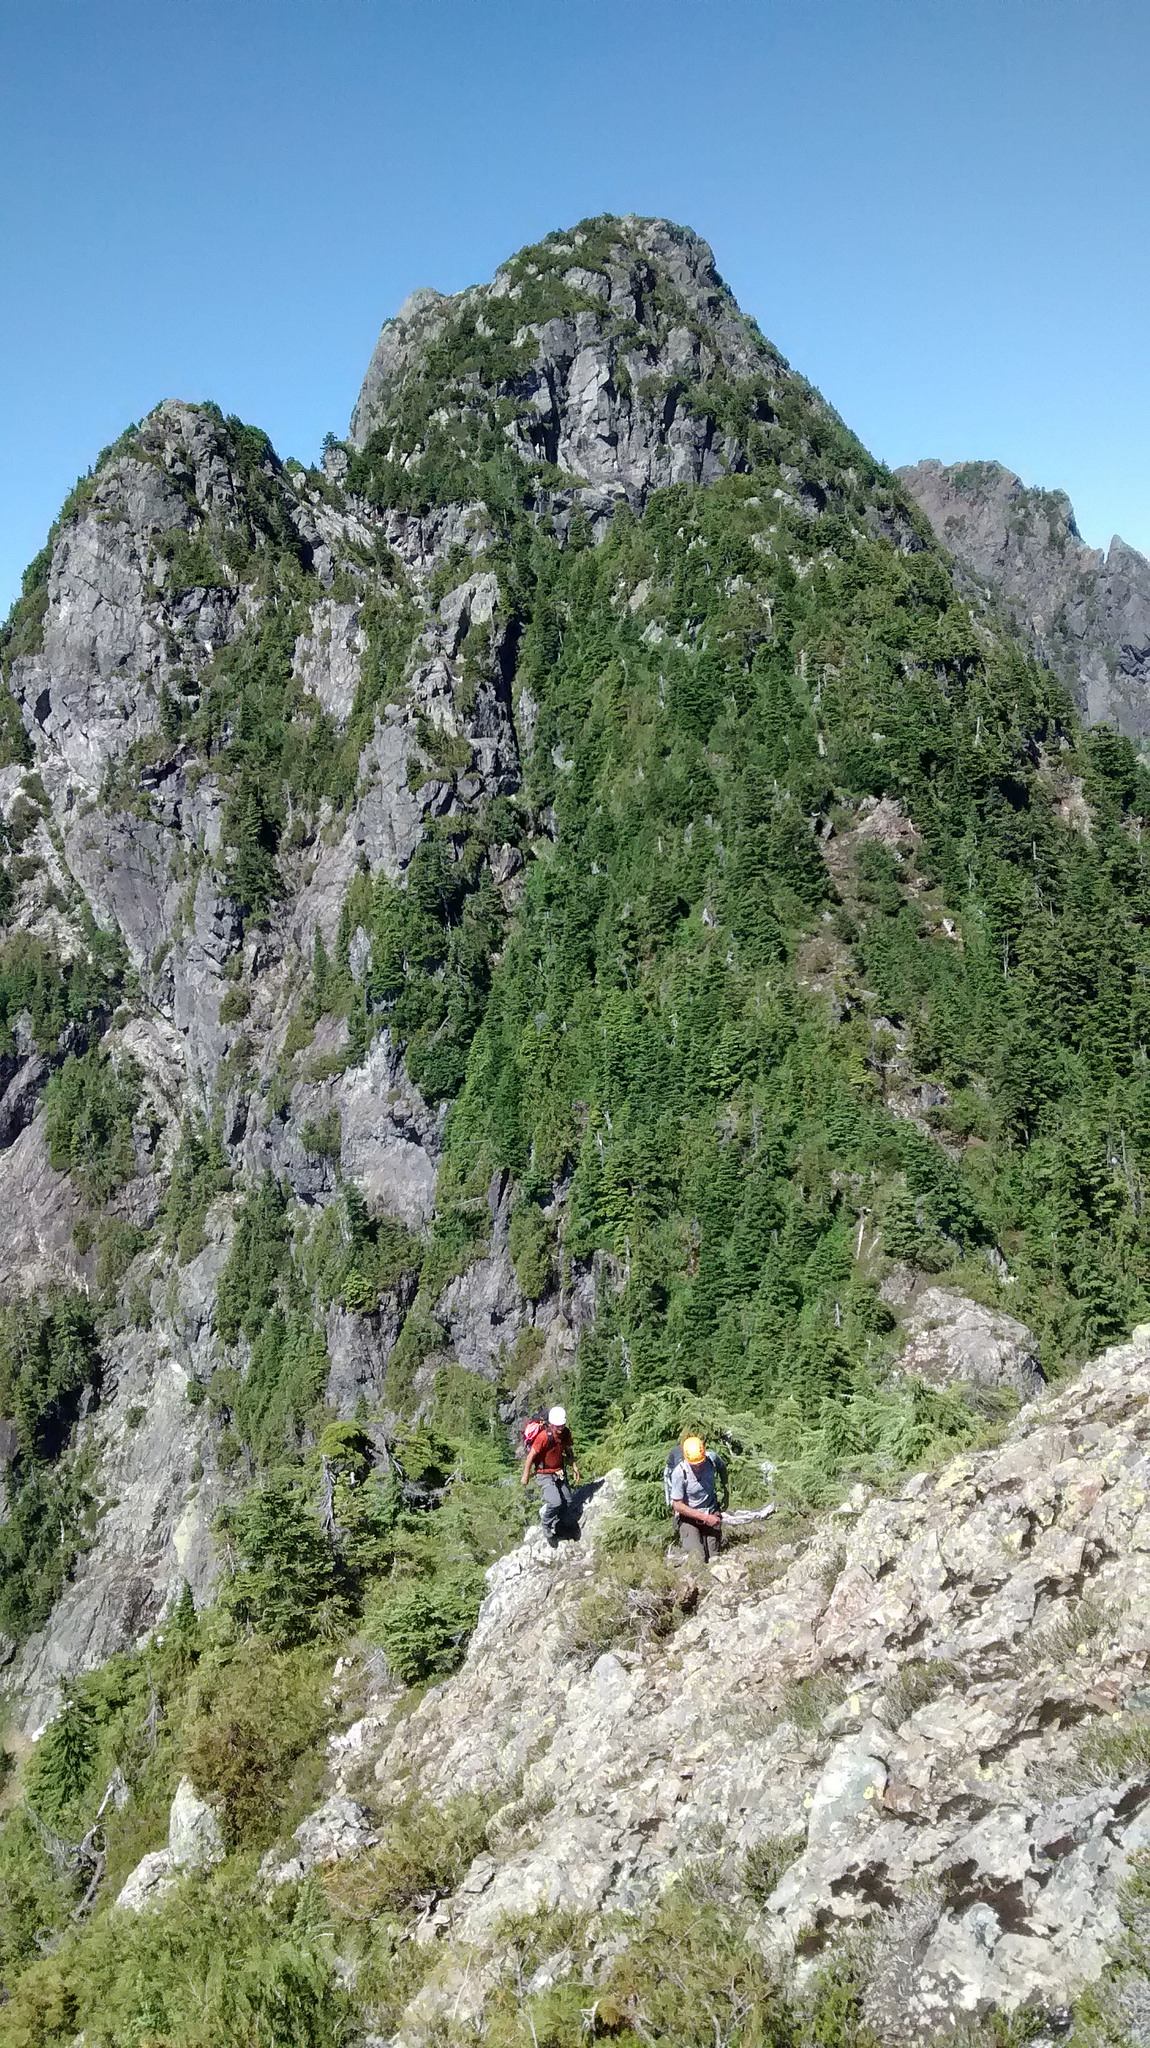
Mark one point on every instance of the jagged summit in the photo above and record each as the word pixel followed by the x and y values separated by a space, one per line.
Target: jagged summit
pixel 1086 612
pixel 603 353
pixel 628 275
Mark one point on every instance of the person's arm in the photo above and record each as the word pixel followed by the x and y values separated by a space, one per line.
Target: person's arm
pixel 529 1464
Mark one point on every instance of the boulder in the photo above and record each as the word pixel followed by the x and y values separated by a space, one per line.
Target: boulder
pixel 953 1339
pixel 338 1829
pixel 194 1838
pixel 151 1879
pixel 194 1843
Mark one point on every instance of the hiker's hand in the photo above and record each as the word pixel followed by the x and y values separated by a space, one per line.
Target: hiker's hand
pixel 575 1470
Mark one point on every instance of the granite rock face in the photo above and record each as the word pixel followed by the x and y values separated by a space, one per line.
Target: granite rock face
pixel 195 1843
pixel 609 409
pixel 149 1883
pixel 1088 613
pixel 962 1645
pixel 194 1838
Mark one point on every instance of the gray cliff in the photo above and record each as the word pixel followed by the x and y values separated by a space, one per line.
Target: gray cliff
pixel 1087 613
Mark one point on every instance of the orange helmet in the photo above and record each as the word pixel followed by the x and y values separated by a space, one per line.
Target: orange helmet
pixel 694 1450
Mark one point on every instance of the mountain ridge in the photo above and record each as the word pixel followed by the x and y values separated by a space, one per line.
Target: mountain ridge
pixel 572 900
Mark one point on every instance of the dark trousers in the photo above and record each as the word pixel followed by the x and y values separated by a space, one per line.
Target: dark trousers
pixel 701 1545
pixel 557 1501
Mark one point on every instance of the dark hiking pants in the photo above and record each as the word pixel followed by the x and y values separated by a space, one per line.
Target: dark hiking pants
pixel 557 1501
pixel 700 1545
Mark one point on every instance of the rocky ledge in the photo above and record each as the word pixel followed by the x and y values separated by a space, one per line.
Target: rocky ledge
pixel 933 1712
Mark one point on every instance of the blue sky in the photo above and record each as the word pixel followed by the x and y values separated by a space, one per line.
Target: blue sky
pixel 938 209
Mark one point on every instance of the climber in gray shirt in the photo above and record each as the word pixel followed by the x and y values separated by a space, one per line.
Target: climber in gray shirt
pixel 696 1487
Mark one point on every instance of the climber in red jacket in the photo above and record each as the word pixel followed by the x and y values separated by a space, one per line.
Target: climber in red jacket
pixel 551 1458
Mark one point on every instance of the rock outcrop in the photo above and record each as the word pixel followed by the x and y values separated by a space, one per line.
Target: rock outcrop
pixel 934 1711
pixel 1087 613
pixel 956 1340
pixel 195 1843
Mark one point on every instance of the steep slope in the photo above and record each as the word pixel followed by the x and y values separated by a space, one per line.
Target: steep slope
pixel 1087 613
pixel 881 1779
pixel 570 899
pixel 932 1716
pixel 589 355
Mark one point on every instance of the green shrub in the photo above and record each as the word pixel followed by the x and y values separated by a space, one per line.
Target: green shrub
pixel 199 1173
pixel 356 1258
pixel 638 1599
pixel 62 1763
pixel 249 1283
pixel 419 1338
pixel 253 1732
pixel 283 1385
pixel 321 1136
pixel 425 1851
pixel 290 1586
pixel 767 1862
pixel 235 1003
pixel 806 1702
pixel 915 1684
pixel 48 1357
pixel 117 1245
pixel 424 1625
pixel 219 1961
pixel 48 1521
pixel 52 992
pixel 531 1247
pixel 1112 1750
pixel 719 1988
pixel 90 1106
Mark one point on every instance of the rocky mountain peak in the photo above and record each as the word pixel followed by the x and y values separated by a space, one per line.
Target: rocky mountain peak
pixel 1086 613
pixel 591 353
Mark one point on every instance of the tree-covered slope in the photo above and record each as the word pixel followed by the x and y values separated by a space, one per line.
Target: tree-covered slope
pixel 591 792
pixel 570 900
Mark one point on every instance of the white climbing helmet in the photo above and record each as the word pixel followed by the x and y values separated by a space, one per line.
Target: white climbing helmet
pixel 557 1417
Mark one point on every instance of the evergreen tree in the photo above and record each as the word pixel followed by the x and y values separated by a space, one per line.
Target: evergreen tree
pixel 62 1766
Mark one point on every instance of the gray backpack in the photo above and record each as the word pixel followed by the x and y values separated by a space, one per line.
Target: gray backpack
pixel 675 1459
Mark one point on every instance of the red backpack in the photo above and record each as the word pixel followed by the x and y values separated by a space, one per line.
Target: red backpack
pixel 538 1435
